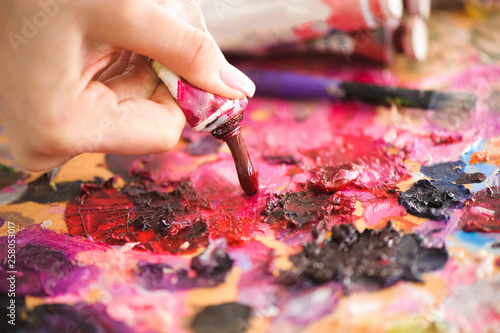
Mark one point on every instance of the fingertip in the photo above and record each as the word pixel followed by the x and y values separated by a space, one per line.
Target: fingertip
pixel 236 79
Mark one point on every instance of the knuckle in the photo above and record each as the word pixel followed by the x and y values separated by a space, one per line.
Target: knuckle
pixel 172 136
pixel 127 8
pixel 201 49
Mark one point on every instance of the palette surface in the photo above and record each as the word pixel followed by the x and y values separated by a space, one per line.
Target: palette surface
pixel 378 219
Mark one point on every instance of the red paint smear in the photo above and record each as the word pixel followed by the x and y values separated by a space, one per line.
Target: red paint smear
pixel 101 213
pixel 445 139
pixel 107 215
pixel 343 149
pixel 482 212
pixel 232 214
pixel 332 179
pixel 376 170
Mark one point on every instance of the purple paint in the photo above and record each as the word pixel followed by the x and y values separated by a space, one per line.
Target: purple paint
pixel 46 263
pixel 207 270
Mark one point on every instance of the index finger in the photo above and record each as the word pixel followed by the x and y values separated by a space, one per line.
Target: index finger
pixel 145 27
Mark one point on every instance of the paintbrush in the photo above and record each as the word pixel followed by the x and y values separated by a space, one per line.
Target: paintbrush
pixel 206 112
pixel 284 84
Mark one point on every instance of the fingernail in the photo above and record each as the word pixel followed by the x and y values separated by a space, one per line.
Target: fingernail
pixel 235 79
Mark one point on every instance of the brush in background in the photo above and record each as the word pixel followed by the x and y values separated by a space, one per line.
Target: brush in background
pixel 290 85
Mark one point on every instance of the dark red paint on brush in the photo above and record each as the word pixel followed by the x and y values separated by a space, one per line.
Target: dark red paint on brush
pixel 247 174
pixel 230 132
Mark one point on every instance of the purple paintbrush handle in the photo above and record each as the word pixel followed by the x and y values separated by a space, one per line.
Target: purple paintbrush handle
pixel 290 85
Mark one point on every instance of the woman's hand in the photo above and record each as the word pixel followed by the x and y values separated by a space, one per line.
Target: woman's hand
pixel 74 78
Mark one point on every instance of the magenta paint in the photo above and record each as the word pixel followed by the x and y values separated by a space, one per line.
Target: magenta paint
pixel 46 264
pixel 205 111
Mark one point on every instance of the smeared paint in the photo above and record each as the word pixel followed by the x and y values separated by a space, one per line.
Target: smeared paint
pixel 100 213
pixel 474 307
pixel 433 199
pixel 373 258
pixel 80 317
pixel 179 220
pixel 333 179
pixel 120 165
pixel 137 215
pixel 9 176
pixel 281 159
pixel 45 263
pixel 479 157
pixel 367 167
pixel 42 191
pixel 226 317
pixel 207 270
pixel 174 216
pixel 482 212
pixel 297 210
pixel 471 178
pixel 257 286
pixel 214 263
pixel 452 172
pixel 447 171
pixel 204 145
pixel 304 307
pixel 17 218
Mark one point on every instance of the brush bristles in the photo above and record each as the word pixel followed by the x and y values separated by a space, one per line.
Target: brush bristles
pixel 423 99
pixel 461 101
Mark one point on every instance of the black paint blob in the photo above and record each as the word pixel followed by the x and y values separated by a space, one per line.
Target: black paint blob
pixel 452 172
pixel 433 199
pixel 207 270
pixel 471 178
pixel 9 176
pixel 65 318
pixel 227 318
pixel 213 264
pixel 448 171
pixel 42 191
pixel 372 259
pixel 157 211
pixel 295 210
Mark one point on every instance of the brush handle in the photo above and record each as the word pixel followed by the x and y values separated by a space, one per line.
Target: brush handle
pixel 291 85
